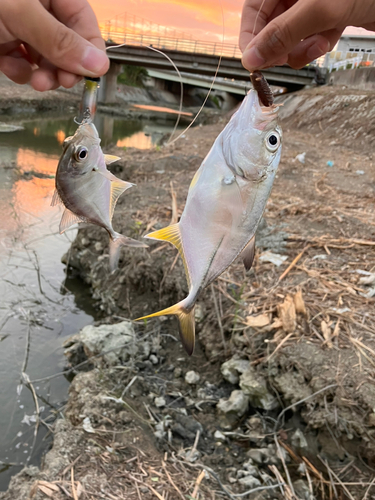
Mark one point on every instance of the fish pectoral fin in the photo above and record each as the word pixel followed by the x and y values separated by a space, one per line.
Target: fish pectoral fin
pixel 117 188
pixel 173 235
pixel 56 200
pixel 111 159
pixel 248 254
pixel 68 219
pixel 186 323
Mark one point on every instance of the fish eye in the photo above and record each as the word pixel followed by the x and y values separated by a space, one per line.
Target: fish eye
pixel 273 141
pixel 81 153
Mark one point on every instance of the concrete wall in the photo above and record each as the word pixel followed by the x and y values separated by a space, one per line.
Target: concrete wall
pixel 360 78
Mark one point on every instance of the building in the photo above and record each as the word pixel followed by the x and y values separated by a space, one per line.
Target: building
pixel 354 45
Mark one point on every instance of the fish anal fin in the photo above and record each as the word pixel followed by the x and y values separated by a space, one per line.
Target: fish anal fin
pixel 56 200
pixel 173 235
pixel 248 254
pixel 115 245
pixel 117 188
pixel 68 219
pixel 186 323
pixel 111 159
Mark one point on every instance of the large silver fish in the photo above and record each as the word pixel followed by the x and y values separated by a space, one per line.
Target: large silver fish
pixel 87 189
pixel 225 203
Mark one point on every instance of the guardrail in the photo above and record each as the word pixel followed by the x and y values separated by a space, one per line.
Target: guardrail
pixel 353 61
pixel 170 43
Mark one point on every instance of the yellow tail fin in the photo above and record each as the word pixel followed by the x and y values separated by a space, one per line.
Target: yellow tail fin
pixel 186 323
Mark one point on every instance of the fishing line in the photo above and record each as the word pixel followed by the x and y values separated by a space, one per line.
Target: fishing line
pixel 177 70
pixel 213 81
pixel 256 18
pixel 181 83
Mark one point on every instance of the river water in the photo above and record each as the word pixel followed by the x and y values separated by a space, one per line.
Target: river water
pixel 40 306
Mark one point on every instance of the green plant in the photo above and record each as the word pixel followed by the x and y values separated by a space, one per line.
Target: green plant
pixel 133 75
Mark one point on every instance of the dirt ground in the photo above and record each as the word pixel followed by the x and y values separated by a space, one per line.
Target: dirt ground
pixel 299 337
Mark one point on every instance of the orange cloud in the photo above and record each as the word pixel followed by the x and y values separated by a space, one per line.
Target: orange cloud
pixel 201 19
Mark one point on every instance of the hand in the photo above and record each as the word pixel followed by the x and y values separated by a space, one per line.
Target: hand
pixel 50 42
pixel 297 31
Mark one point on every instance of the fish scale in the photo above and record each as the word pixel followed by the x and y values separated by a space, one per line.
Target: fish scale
pixel 84 185
pixel 225 202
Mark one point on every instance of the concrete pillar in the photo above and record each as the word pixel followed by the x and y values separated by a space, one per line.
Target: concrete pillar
pixel 108 84
pixel 104 125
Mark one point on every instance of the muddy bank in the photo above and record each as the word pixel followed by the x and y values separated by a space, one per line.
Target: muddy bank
pixel 282 389
pixel 20 102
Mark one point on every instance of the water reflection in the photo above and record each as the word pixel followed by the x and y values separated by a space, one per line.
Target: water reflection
pixel 39 306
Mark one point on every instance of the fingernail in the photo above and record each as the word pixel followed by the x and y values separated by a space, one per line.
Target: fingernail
pixel 252 59
pixel 95 61
pixel 316 51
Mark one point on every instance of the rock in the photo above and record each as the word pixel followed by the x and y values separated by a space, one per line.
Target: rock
pixel 234 408
pixel 255 387
pixel 250 482
pixel 265 455
pixel 98 246
pixel 119 339
pixel 160 402
pixel 298 440
pixel 198 313
pixel 192 377
pixel 190 455
pixel 209 392
pixel 162 427
pixel 186 427
pixel 249 468
pixel 177 372
pixel 256 431
pixel 371 420
pixel 21 484
pixel 8 127
pixel 232 368
pixel 154 360
pixel 255 455
pixel 219 436
pixel 302 490
pixel 292 386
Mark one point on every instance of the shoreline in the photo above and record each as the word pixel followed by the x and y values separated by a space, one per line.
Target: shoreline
pixel 152 426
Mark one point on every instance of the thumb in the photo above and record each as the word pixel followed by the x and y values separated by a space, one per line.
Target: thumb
pixel 281 35
pixel 62 46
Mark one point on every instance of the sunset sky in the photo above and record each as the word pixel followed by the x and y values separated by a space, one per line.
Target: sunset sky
pixel 202 19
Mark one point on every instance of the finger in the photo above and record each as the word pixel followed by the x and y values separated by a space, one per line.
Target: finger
pixel 43 80
pixel 313 47
pixel 67 80
pixel 80 17
pixel 45 77
pixel 254 18
pixel 286 31
pixel 62 46
pixel 17 69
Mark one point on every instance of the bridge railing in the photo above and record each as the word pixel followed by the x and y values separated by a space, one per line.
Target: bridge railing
pixel 170 43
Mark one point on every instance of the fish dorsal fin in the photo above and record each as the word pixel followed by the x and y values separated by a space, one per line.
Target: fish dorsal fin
pixel 111 159
pixel 68 219
pixel 117 188
pixel 248 254
pixel 173 235
pixel 56 200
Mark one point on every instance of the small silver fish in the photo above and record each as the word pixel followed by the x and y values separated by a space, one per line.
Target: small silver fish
pixel 225 203
pixel 87 189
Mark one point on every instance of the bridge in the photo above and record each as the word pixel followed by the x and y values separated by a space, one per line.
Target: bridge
pixel 131 40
